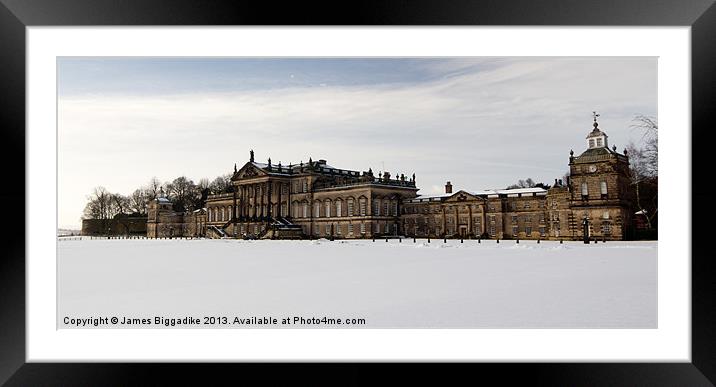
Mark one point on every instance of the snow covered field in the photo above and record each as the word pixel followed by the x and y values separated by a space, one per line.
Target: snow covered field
pixel 390 285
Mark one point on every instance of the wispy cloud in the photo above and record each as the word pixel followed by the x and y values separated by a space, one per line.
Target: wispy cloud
pixel 478 122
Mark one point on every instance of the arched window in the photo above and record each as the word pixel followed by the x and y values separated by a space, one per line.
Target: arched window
pixel 362 204
pixel 222 214
pixel 305 210
pixel 328 208
pixel 231 214
pixel 339 210
pixel 209 215
pixel 317 209
pixel 376 207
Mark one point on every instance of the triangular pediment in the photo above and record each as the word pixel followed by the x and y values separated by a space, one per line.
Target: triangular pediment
pixel 249 171
pixel 461 196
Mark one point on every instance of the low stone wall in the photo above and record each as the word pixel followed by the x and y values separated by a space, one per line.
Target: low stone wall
pixel 118 226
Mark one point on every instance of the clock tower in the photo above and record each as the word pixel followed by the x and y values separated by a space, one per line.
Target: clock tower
pixel 599 182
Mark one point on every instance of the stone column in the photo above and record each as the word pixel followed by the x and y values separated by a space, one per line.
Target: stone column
pixel 288 201
pixel 268 199
pixel 234 209
pixel 280 204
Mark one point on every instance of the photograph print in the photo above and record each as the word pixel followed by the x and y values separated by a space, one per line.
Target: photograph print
pixel 357 192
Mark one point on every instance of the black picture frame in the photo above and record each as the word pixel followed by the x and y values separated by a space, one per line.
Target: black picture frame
pixel 15 15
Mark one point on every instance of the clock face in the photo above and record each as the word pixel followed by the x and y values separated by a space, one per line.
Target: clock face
pixel 592 168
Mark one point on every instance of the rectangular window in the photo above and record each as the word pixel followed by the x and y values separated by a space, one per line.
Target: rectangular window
pixel 591 143
pixel 528 230
pixel 514 218
pixel 317 230
pixel 305 186
pixel 599 142
pixel 338 229
pixel 328 229
pixel 585 190
pixel 541 231
pixel 385 209
pixel 316 210
pixel 603 189
pixel 362 228
pixel 350 228
pixel 514 230
pixel 376 208
pixel 395 208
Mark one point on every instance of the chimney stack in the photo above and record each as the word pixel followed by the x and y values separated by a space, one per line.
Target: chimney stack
pixel 448 188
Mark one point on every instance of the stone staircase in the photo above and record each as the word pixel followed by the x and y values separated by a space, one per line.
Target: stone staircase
pixel 282 228
pixel 217 232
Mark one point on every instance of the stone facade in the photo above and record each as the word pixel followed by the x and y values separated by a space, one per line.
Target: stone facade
pixel 318 200
pixel 313 199
pixel 164 222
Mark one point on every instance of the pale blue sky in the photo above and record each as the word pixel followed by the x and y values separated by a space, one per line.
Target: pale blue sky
pixel 480 122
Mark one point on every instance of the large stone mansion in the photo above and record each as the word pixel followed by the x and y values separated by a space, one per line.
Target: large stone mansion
pixel 319 200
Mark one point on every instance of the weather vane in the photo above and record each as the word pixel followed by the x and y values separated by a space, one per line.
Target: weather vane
pixel 595 115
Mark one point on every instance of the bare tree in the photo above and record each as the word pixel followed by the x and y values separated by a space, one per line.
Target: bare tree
pixel 119 204
pixel 644 167
pixel 98 204
pixel 183 193
pixel 221 184
pixel 153 188
pixel 650 140
pixel 138 200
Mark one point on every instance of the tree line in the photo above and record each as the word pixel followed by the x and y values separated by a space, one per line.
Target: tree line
pixel 184 193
